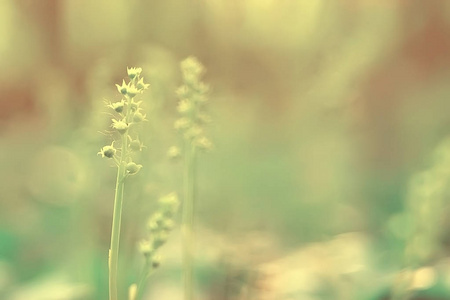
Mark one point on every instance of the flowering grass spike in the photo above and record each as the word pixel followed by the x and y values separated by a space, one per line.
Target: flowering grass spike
pixel 128 114
pixel 192 95
pixel 158 227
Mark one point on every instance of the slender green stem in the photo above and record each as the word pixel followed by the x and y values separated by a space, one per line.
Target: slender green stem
pixel 117 214
pixel 188 221
pixel 146 272
pixel 140 285
pixel 116 222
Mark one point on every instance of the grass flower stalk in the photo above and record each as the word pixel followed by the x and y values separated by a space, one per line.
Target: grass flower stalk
pixel 115 232
pixel 188 221
pixel 128 115
pixel 425 203
pixel 159 226
pixel 192 99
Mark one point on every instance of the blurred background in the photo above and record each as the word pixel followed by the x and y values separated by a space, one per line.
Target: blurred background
pixel 322 113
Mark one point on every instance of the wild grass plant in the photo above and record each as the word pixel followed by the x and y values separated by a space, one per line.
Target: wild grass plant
pixel 158 228
pixel 328 105
pixel 190 124
pixel 128 114
pixel 422 224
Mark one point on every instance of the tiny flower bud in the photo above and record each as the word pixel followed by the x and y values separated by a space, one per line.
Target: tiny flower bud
pixel 203 143
pixel 152 226
pixel 192 66
pixel 138 117
pixel 169 203
pixel 183 92
pixel 191 79
pixel 136 145
pixel 120 126
pixel 108 151
pixel 155 221
pixel 156 261
pixel 159 239
pixel 117 106
pixel 122 88
pixel 132 91
pixel 168 224
pixel 145 247
pixel 132 168
pixel 182 123
pixel 134 72
pixel 185 106
pixel 174 152
pixel 141 85
pixel 134 106
pixel 193 132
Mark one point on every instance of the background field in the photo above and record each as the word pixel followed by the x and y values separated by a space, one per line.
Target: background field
pixel 323 112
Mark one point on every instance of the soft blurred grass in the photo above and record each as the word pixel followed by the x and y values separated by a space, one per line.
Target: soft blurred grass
pixel 322 111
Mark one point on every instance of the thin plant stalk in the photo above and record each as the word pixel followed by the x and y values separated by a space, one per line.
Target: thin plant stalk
pixel 192 95
pixel 188 221
pixel 143 280
pixel 117 214
pixel 116 223
pixel 159 225
pixel 128 113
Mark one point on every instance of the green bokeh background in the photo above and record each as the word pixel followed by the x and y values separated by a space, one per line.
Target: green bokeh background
pixel 322 112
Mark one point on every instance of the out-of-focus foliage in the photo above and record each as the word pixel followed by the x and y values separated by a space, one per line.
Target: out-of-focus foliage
pixel 322 113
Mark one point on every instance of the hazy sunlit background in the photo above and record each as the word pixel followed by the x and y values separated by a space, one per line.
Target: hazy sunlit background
pixel 322 112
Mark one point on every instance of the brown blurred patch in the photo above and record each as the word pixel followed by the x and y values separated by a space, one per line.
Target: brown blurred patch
pixel 17 98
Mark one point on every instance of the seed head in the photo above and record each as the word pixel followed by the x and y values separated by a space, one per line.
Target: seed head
pixel 134 106
pixel 169 203
pixel 136 145
pixel 132 91
pixel 155 221
pixel 134 72
pixel 156 261
pixel 117 106
pixel 203 143
pixel 138 117
pixel 182 123
pixel 193 97
pixel 152 226
pixel 159 239
pixel 122 88
pixel 174 152
pixel 108 151
pixel 168 224
pixel 192 66
pixel 120 126
pixel 183 92
pixel 193 132
pixel 145 247
pixel 132 168
pixel 185 106
pixel 141 85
